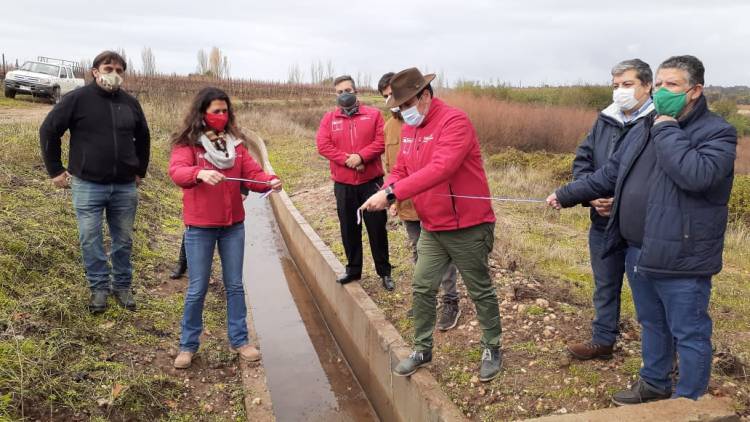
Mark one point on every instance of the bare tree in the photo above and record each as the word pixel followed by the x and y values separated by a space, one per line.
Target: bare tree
pixel 330 72
pixel 225 68
pixel 294 75
pixel 202 62
pixel 149 61
pixel 128 61
pixel 218 64
pixel 317 73
pixel 366 80
pixel 86 65
pixel 441 83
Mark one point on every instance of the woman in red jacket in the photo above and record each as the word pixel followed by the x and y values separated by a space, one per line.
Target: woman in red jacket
pixel 205 151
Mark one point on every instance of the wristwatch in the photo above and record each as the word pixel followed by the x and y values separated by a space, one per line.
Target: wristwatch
pixel 389 195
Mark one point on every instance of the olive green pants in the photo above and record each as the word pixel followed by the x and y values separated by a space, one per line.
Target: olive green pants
pixel 468 248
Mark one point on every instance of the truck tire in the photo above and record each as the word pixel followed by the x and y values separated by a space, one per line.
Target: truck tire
pixel 55 97
pixel 10 92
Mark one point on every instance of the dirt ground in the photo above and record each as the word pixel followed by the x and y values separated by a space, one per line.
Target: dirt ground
pixel 25 109
pixel 539 317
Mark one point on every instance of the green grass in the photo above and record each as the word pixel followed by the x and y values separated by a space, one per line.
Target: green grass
pixel 55 356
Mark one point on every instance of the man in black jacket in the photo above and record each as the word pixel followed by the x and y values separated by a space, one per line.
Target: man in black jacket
pixel 671 183
pixel 109 153
pixel 631 95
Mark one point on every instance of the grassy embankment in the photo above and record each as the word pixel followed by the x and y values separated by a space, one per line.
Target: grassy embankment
pixel 59 362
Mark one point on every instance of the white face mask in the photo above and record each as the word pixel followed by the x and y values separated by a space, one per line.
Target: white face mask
pixel 110 81
pixel 625 98
pixel 412 116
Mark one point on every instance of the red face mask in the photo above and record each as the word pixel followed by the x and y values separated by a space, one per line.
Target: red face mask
pixel 216 122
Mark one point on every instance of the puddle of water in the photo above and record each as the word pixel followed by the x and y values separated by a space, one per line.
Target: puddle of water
pixel 307 374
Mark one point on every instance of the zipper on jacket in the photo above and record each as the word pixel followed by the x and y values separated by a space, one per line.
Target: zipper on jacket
pixel 686 227
pixel 114 138
pixel 351 142
pixel 626 173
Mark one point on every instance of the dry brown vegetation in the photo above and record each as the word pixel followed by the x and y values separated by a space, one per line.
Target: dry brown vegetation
pixel 742 164
pixel 528 127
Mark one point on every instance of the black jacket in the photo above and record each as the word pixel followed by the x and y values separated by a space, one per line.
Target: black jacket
pixel 109 136
pixel 686 217
pixel 600 144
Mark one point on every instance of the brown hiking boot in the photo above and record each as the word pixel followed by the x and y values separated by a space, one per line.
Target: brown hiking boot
pixel 183 360
pixel 247 352
pixel 590 350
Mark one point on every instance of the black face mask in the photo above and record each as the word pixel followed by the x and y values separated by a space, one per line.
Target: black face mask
pixel 348 103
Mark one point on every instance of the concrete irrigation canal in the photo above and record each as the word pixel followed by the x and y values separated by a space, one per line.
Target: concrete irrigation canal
pixel 328 350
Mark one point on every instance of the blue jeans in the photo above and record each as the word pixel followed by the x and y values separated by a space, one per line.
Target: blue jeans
pixel 608 273
pixel 672 310
pixel 199 246
pixel 119 202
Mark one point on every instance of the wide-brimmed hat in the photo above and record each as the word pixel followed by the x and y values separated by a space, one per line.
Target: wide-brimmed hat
pixel 406 84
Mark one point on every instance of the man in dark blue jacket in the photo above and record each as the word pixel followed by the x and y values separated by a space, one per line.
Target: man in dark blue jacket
pixel 109 154
pixel 631 95
pixel 671 183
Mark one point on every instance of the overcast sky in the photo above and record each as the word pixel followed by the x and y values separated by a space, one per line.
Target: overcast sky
pixel 527 42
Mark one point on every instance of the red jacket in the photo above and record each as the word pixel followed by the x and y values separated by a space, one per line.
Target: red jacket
pixel 362 133
pixel 441 158
pixel 213 206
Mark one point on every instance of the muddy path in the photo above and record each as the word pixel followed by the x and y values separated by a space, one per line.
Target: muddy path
pixel 24 111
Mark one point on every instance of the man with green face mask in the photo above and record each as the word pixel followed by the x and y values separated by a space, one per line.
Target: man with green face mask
pixel 671 185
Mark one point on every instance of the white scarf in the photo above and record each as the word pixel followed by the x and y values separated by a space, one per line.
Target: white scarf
pixel 218 158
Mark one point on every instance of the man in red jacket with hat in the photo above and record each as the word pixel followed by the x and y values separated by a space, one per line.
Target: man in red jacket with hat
pixel 351 138
pixel 440 168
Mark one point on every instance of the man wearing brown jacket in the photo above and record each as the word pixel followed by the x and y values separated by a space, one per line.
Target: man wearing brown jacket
pixel 406 212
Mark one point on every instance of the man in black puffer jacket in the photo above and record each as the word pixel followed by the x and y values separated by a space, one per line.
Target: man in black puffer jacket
pixel 671 182
pixel 632 81
pixel 109 153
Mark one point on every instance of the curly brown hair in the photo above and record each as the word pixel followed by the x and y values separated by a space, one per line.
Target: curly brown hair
pixel 193 125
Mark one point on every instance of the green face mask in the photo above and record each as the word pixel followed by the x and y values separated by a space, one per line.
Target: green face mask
pixel 668 103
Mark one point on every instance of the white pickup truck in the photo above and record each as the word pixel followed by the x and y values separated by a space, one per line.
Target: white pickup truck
pixel 50 78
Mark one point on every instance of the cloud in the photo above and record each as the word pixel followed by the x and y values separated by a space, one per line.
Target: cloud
pixel 531 42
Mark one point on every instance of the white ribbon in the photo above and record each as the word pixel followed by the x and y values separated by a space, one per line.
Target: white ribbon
pixel 498 198
pixel 262 182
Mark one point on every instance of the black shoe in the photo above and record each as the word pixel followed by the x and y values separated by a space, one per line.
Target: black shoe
pixel 125 299
pixel 448 316
pixel 410 365
pixel 492 361
pixel 640 392
pixel 181 267
pixel 179 270
pixel 98 301
pixel 388 283
pixel 348 278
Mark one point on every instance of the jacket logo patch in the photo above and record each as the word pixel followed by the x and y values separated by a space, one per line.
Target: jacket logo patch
pixel 427 138
pixel 365 118
pixel 406 144
pixel 337 125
